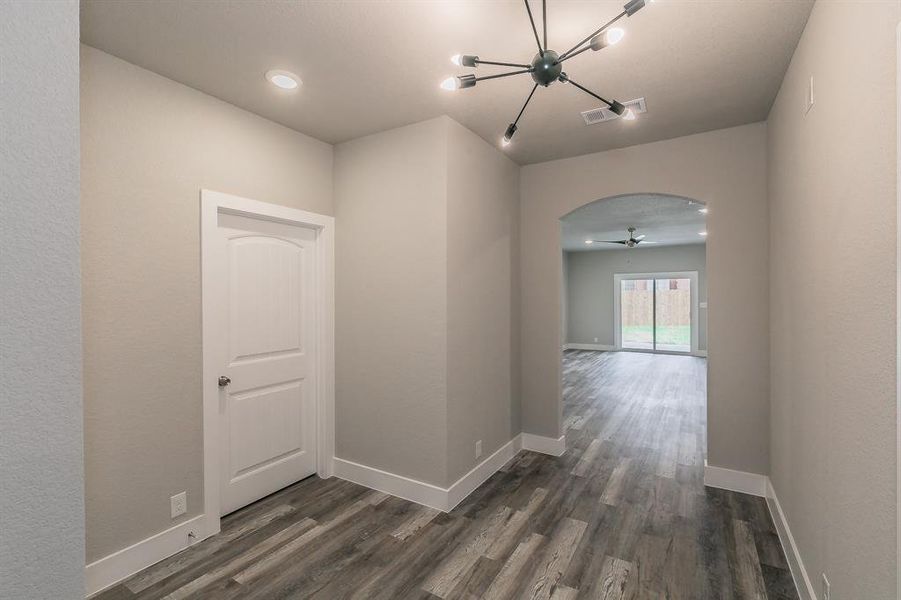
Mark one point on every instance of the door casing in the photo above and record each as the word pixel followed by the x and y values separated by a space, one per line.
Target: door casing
pixel 211 205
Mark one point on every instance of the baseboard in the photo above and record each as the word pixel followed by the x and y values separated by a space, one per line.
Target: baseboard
pixel 735 481
pixel 481 472
pixel 121 565
pixel 413 490
pixel 420 492
pixel 795 564
pixel 545 445
pixel 600 347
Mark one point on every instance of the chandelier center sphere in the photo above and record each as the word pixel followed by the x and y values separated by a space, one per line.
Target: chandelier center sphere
pixel 545 68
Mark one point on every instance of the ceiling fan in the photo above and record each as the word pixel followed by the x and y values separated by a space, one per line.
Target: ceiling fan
pixel 631 242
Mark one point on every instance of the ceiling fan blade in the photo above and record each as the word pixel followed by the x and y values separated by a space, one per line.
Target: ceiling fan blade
pixel 640 237
pixel 610 241
pixel 647 242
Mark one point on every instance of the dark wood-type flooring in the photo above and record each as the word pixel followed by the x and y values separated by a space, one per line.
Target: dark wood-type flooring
pixel 622 514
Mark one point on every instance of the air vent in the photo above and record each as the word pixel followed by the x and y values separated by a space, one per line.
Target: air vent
pixel 600 115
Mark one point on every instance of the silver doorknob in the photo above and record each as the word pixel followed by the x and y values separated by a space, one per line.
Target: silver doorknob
pixel 224 381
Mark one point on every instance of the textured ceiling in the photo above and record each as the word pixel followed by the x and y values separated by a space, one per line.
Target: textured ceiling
pixel 666 220
pixel 372 66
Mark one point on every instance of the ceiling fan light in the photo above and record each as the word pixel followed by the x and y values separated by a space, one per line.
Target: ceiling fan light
pixel 457 59
pixel 703 211
pixel 629 115
pixel 633 7
pixel 589 241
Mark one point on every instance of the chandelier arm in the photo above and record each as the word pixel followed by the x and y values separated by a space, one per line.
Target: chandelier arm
pixel 479 61
pixel 589 92
pixel 534 29
pixel 566 54
pixel 544 20
pixel 499 75
pixel 523 109
pixel 576 53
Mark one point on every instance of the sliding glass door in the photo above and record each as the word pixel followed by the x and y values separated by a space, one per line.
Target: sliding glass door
pixel 656 312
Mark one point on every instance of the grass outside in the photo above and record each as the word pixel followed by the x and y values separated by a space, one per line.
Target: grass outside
pixel 666 334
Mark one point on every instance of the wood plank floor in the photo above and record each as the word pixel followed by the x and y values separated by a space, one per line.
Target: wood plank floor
pixel 622 514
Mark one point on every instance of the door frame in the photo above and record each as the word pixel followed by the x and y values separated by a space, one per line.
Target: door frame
pixel 617 315
pixel 211 205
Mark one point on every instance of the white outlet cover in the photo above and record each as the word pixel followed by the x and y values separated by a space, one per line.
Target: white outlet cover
pixel 178 504
pixel 478 448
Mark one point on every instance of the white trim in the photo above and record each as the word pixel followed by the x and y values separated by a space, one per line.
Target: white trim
pixel 792 556
pixel 481 472
pixel 407 488
pixel 617 314
pixel 420 492
pixel 599 347
pixel 120 565
pixel 211 204
pixel 898 312
pixel 735 481
pixel 545 445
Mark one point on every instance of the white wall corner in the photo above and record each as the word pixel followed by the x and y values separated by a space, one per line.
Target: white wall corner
pixel 545 445
pixel 121 565
pixel 792 555
pixel 735 481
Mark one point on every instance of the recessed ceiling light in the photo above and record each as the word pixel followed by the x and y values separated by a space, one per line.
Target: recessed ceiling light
pixel 703 211
pixel 283 79
pixel 702 233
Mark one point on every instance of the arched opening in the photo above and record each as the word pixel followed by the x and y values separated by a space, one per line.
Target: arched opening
pixel 634 332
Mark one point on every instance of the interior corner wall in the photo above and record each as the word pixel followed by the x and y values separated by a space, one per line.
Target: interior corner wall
pixel 590 289
pixel 42 491
pixel 391 301
pixel 149 145
pixel 832 194
pixel 725 169
pixel 482 265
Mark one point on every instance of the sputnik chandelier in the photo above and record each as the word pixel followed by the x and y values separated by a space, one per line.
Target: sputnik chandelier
pixel 547 66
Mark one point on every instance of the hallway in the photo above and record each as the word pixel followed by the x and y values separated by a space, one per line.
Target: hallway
pixel 622 514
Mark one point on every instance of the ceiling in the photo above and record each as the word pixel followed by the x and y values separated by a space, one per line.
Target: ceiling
pixel 666 220
pixel 372 66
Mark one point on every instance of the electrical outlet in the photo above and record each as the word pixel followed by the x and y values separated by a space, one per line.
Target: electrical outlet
pixel 827 592
pixel 178 504
pixel 478 448
pixel 595 340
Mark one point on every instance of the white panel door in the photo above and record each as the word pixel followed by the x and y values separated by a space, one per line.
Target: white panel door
pixel 267 432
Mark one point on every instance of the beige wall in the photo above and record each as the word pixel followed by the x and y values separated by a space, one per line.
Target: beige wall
pixel 41 471
pixel 725 169
pixel 148 146
pixel 426 282
pixel 590 288
pixel 832 193
pixel 391 301
pixel 482 289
